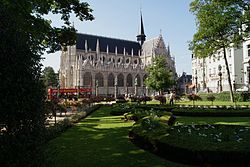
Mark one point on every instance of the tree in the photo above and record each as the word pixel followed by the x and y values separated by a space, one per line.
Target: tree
pixel 159 77
pixel 220 24
pixel 25 34
pixel 49 77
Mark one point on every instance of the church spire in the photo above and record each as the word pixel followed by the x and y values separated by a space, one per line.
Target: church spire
pixel 141 37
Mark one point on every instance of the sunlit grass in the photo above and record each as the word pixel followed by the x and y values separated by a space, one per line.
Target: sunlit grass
pixel 100 140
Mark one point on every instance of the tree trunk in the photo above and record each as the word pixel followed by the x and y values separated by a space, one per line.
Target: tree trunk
pixel 228 74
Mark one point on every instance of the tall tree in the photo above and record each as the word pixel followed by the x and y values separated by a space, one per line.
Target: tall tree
pixel 159 78
pixel 220 24
pixel 49 77
pixel 25 34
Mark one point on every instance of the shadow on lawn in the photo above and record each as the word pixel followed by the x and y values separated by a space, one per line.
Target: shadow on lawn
pixel 100 140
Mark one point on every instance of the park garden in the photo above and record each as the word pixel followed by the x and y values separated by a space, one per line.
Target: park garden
pixel 146 133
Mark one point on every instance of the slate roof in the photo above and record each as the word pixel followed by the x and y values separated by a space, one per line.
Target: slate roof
pixel 104 41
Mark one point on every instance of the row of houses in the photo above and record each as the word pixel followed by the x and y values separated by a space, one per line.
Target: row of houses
pixel 209 74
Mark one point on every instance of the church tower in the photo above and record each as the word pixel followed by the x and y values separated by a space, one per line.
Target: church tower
pixel 141 37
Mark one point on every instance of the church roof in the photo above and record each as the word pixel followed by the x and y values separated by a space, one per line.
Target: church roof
pixel 149 46
pixel 112 43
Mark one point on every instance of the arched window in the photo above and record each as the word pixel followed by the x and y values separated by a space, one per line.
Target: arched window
pixel 99 78
pixel 87 79
pixel 120 79
pixel 129 80
pixel 111 80
pixel 138 78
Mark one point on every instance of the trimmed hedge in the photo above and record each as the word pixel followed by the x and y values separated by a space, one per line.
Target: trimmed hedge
pixel 225 96
pixel 211 112
pixel 176 144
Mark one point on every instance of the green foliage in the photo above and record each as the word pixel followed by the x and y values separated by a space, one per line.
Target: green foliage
pixel 140 99
pixel 25 35
pixel 49 77
pixel 225 96
pixel 120 109
pixel 220 24
pixel 159 77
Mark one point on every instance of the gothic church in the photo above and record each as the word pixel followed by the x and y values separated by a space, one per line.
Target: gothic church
pixel 111 66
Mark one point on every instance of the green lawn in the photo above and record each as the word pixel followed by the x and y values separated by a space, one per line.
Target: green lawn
pixel 244 121
pixel 100 140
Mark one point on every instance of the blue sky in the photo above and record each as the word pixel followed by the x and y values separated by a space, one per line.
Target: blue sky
pixel 121 18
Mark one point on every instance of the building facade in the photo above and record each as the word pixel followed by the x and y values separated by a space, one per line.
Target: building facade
pixel 111 66
pixel 246 62
pixel 209 74
pixel 184 84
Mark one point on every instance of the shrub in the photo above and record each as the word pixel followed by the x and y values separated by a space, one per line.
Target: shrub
pixel 120 99
pixel 120 109
pixel 194 97
pixel 109 99
pixel 161 99
pixel 211 98
pixel 145 99
pixel 140 99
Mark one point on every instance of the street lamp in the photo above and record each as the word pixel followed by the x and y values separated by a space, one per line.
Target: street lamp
pixel 220 74
pixel 196 83
pixel 58 85
pixel 248 71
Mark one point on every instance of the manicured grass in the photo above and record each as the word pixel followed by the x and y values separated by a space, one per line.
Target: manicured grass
pixel 100 140
pixel 243 121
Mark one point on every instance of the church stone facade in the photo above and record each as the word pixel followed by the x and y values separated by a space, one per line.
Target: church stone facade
pixel 111 66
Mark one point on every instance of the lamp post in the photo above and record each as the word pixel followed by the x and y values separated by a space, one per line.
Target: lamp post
pixel 248 73
pixel 58 85
pixel 196 83
pixel 234 85
pixel 220 74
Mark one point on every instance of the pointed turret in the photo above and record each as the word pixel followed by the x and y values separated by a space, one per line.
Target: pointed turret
pixel 168 50
pixel 141 37
pixel 97 46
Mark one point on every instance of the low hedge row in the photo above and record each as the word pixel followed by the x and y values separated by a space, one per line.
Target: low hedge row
pixel 211 112
pixel 225 96
pixel 175 145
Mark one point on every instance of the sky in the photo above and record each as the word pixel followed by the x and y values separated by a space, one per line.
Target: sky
pixel 121 19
